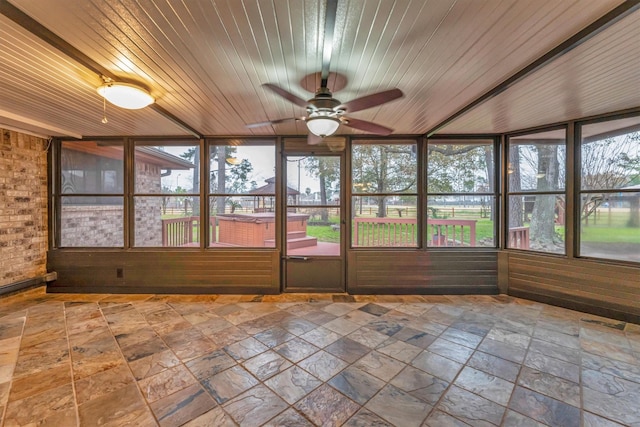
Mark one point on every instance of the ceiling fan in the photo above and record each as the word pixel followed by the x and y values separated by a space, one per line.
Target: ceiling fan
pixel 325 113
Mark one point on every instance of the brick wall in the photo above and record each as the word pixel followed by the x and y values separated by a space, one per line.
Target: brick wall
pixel 23 207
pixel 148 220
pixel 102 225
pixel 99 226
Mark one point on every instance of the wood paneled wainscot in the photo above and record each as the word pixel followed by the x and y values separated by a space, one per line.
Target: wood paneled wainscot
pixel 598 287
pixel 422 272
pixel 187 271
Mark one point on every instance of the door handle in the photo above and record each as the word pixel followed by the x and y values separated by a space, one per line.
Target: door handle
pixel 297 258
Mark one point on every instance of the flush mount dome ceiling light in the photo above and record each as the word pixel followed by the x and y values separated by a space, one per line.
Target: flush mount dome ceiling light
pixel 126 95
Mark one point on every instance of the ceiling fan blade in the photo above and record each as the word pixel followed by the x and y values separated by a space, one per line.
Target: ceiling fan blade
pixel 367 126
pixel 286 94
pixel 313 139
pixel 272 122
pixel 369 101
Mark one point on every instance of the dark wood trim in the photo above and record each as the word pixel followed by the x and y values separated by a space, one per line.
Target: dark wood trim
pixel 182 290
pixel 571 177
pixel 24 285
pixel 176 120
pixel 593 29
pixel 431 290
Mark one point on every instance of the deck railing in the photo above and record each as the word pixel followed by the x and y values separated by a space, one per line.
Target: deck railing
pixel 451 232
pixel 519 238
pixel 180 231
pixel 403 232
pixel 384 232
pixel 368 232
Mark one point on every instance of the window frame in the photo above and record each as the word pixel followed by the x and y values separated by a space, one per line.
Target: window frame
pixel 494 194
pixel 107 198
pixel 564 192
pixel 352 195
pixel 579 191
pixel 134 194
pixel 208 194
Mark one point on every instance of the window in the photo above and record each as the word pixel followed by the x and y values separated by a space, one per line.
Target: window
pixel 610 190
pixel 91 194
pixel 384 194
pixel 536 191
pixel 242 193
pixel 166 197
pixel 461 202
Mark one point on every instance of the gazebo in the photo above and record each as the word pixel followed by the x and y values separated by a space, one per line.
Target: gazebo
pixel 264 197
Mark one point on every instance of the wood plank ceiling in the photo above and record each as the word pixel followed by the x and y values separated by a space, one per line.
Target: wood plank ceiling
pixel 205 62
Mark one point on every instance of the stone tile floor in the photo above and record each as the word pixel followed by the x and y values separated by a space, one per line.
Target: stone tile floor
pixel 304 360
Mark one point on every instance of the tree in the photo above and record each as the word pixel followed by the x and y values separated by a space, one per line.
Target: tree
pixel 165 199
pixel 543 214
pixel 516 205
pixel 382 168
pixel 193 155
pixel 610 163
pixel 227 177
pixel 457 168
pixel 327 169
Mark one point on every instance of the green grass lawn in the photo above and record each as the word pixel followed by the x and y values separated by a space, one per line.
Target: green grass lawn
pixel 610 234
pixel 609 227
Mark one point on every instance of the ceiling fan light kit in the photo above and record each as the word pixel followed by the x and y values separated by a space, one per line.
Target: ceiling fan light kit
pixel 325 113
pixel 126 95
pixel 322 125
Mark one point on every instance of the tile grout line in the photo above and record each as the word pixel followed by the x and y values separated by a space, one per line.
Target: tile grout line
pixel 148 407
pixel 15 364
pixel 73 382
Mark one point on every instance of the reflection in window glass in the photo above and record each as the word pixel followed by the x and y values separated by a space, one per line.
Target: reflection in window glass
pixel 242 195
pixel 92 222
pixel 536 192
pixel 609 185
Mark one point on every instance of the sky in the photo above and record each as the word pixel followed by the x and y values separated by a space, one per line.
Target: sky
pixel 262 158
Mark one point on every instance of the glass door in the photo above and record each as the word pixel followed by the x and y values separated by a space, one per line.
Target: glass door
pixel 314 227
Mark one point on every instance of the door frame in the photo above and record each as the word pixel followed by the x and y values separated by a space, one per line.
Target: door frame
pixel 297 146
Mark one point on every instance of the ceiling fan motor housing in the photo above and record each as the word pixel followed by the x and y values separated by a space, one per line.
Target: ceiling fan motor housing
pixel 324 101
